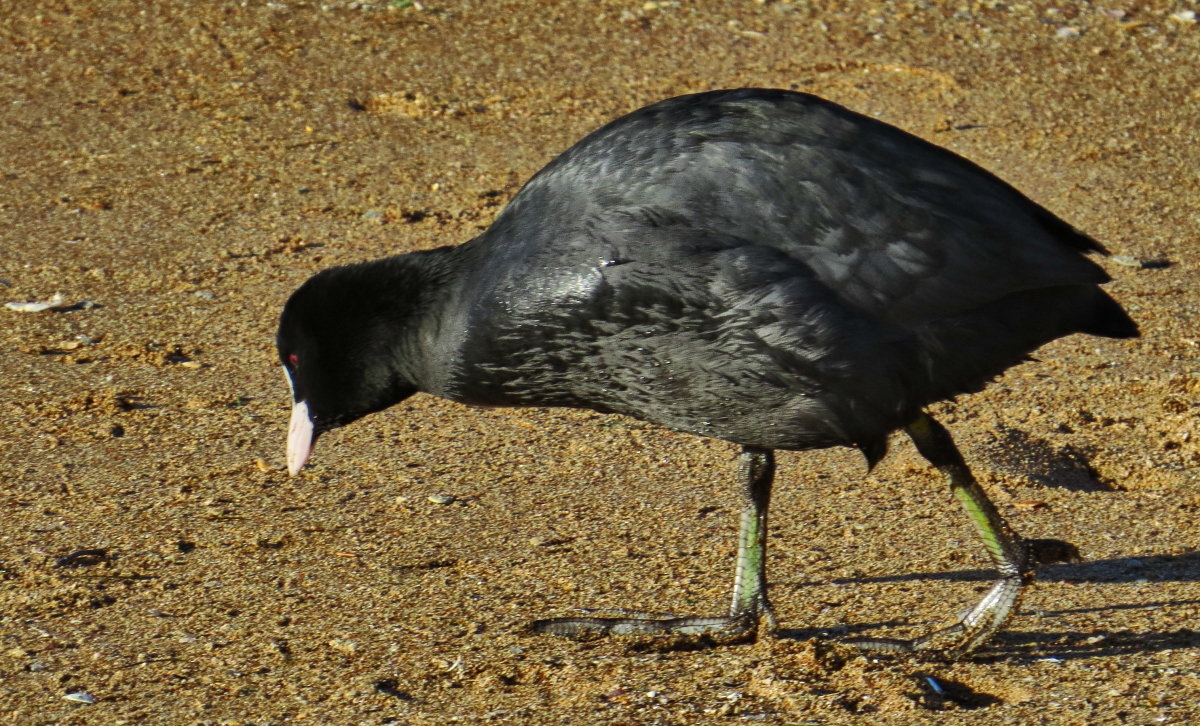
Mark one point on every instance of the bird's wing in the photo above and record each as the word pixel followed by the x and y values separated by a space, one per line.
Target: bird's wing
pixel 915 234
pixel 730 320
pixel 895 226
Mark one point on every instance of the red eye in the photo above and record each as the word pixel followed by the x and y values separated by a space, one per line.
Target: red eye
pixel 293 360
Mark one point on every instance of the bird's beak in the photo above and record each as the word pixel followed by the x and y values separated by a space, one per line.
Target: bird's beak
pixel 300 438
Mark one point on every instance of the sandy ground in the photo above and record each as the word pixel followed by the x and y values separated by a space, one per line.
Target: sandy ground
pixel 174 169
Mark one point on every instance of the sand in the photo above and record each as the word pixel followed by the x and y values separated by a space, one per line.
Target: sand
pixel 174 169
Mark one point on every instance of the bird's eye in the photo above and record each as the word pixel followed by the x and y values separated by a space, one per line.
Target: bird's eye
pixel 293 360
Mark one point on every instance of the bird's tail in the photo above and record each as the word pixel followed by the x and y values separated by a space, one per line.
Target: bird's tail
pixel 1105 317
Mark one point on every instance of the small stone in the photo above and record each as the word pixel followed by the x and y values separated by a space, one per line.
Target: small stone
pixel 81 697
pixel 1154 263
pixel 441 498
pixel 36 307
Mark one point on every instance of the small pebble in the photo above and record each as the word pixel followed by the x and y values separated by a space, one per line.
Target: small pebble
pixel 82 558
pixel 1148 264
pixel 81 697
pixel 441 498
pixel 36 307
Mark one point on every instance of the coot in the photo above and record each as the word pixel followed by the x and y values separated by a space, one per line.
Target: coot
pixel 759 266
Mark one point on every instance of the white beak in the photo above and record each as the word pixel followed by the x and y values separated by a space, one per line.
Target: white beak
pixel 300 438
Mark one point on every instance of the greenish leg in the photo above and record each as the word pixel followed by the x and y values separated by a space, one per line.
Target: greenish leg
pixel 750 581
pixel 1014 558
pixel 756 470
pixel 1004 546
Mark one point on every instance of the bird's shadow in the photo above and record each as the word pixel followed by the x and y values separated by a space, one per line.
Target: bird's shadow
pixel 1062 645
pixel 1151 568
pixel 1012 452
pixel 1067 645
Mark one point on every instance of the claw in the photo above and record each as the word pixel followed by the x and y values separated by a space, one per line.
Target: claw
pixel 977 624
pixel 722 626
pixel 1015 558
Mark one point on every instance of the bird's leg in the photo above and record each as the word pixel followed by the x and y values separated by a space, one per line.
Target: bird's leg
pixel 756 474
pixel 756 471
pixel 1014 558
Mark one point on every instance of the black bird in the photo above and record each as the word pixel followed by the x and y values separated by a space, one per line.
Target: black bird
pixel 759 266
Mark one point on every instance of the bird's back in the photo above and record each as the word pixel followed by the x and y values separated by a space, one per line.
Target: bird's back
pixel 769 268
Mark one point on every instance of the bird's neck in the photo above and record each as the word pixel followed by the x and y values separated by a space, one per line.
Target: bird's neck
pixel 429 297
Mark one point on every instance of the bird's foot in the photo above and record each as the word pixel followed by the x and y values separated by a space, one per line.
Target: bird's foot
pixel 973 627
pixel 976 625
pixel 594 623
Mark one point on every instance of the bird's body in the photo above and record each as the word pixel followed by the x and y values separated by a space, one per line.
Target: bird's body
pixel 757 266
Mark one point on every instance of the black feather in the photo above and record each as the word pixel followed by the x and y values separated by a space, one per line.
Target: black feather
pixel 758 266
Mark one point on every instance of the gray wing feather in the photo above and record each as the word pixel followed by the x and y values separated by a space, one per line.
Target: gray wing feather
pixel 900 228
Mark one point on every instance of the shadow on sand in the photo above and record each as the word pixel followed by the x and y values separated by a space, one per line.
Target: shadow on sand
pixel 1062 645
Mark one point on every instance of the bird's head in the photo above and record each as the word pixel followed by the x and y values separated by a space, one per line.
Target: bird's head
pixel 340 343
